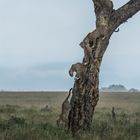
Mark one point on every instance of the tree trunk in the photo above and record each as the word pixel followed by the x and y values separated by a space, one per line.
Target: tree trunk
pixel 85 95
pixel 86 91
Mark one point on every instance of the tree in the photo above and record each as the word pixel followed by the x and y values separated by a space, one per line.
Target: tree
pixel 86 87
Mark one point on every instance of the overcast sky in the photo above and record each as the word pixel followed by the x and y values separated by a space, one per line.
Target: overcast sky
pixel 39 40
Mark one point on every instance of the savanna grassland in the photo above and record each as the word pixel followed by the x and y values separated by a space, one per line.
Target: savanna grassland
pixel 33 115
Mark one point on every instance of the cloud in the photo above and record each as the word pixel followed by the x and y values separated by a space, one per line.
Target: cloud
pixel 38 77
pixel 39 40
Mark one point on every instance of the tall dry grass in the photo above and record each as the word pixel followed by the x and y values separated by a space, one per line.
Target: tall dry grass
pixel 21 117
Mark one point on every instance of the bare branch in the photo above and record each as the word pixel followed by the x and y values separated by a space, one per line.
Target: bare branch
pixel 125 12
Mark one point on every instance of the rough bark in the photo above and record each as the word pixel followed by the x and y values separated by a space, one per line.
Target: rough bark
pixel 86 90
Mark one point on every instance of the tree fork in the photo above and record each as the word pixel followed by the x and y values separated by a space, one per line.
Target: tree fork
pixel 86 92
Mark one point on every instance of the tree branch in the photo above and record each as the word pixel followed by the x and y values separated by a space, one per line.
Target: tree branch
pixel 125 12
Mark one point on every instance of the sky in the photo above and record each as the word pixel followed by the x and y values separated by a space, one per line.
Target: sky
pixel 39 41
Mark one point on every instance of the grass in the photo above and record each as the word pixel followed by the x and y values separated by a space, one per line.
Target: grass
pixel 23 119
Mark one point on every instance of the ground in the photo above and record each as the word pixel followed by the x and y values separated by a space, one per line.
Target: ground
pixel 33 115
